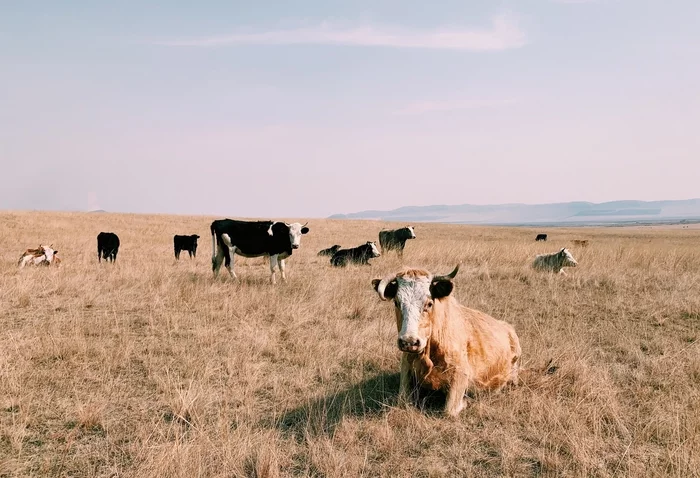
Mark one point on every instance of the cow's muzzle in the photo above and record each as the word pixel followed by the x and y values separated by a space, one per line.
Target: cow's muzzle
pixel 411 345
pixel 295 246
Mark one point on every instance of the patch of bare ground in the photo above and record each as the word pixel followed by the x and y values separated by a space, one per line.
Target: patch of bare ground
pixel 150 367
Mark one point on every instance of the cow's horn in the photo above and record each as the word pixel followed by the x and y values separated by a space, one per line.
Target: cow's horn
pixel 383 283
pixel 449 276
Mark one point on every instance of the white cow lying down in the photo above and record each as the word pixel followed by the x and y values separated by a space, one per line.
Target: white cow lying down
pixel 43 255
pixel 555 262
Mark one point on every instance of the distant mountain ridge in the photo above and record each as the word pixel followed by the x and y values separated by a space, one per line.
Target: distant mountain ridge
pixel 626 211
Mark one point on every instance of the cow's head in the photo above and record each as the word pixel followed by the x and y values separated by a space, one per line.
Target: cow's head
pixel 567 260
pixel 373 247
pixel 412 233
pixel 414 292
pixel 48 252
pixel 295 230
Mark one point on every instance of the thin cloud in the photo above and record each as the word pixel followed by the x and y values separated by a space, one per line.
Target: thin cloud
pixel 502 33
pixel 443 106
pixel 573 1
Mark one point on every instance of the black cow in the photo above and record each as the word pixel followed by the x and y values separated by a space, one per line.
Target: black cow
pixel 396 239
pixel 107 246
pixel 330 251
pixel 357 255
pixel 541 237
pixel 254 239
pixel 185 243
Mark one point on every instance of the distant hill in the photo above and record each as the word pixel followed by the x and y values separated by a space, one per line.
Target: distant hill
pixel 568 213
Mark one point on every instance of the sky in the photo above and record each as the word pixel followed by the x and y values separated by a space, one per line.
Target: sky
pixel 316 107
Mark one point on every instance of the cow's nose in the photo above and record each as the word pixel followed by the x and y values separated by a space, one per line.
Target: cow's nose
pixel 409 344
pixel 295 246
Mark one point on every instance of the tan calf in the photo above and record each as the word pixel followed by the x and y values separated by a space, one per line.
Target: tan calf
pixel 445 345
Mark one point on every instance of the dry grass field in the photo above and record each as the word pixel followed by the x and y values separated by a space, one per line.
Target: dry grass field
pixel 151 368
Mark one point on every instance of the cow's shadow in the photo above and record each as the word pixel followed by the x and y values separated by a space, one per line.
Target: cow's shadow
pixel 369 398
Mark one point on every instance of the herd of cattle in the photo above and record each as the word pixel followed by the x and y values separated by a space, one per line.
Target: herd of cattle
pixel 277 240
pixel 445 345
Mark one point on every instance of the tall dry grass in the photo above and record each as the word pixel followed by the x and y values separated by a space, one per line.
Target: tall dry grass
pixel 152 368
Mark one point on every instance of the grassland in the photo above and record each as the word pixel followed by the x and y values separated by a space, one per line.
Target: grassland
pixel 153 368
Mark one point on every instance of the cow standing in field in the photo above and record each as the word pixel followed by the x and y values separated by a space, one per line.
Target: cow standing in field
pixel 541 237
pixel 330 251
pixel 254 239
pixel 107 246
pixel 555 262
pixel 41 256
pixel 445 345
pixel 185 243
pixel 396 239
pixel 357 255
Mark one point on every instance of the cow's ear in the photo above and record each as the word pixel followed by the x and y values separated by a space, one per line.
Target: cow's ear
pixel 304 230
pixel 441 288
pixel 390 290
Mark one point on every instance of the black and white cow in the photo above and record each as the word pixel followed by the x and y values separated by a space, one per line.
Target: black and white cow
pixel 185 243
pixel 396 239
pixel 357 255
pixel 330 251
pixel 541 237
pixel 254 239
pixel 107 246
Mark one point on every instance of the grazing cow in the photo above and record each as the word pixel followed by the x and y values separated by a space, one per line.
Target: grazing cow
pixel 185 243
pixel 43 255
pixel 580 242
pixel 541 237
pixel 555 262
pixel 107 246
pixel 254 239
pixel 445 345
pixel 396 239
pixel 330 251
pixel 357 255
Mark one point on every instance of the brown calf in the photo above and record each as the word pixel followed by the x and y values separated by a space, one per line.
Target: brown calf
pixel 43 255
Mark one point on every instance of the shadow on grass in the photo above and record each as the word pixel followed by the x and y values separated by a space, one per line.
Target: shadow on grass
pixel 370 398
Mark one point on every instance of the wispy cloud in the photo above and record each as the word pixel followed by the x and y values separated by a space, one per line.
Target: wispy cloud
pixel 422 107
pixel 502 33
pixel 574 1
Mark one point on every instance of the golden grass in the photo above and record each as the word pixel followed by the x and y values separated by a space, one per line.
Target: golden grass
pixel 152 368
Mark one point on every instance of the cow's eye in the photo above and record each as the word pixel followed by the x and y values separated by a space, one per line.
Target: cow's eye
pixel 429 305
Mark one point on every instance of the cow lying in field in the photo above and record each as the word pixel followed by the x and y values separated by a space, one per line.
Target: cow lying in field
pixel 357 255
pixel 445 345
pixel 580 242
pixel 555 262
pixel 41 256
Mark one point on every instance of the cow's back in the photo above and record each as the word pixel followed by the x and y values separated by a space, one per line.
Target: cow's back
pixel 492 349
pixel 252 237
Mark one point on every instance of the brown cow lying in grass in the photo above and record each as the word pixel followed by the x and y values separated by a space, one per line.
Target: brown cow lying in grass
pixel 445 345
pixel 43 255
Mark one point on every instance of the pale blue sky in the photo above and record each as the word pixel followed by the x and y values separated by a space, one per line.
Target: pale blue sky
pixel 309 108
